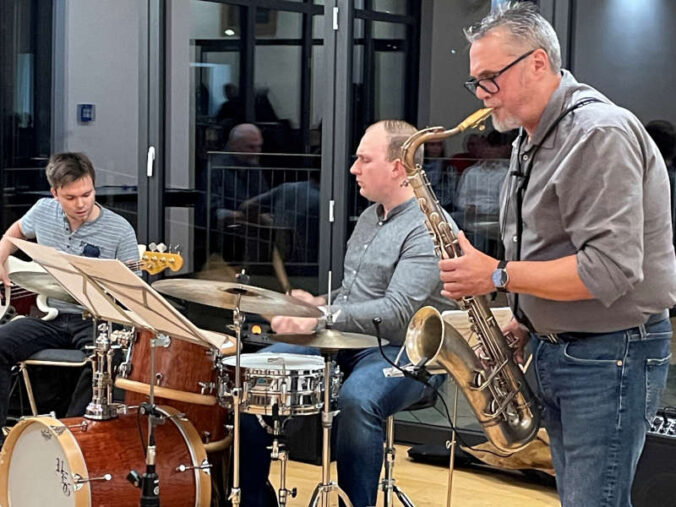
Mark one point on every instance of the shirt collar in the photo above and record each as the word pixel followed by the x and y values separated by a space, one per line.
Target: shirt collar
pixel 554 108
pixel 398 209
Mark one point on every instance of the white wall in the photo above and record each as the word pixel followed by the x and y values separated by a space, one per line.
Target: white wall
pixel 101 59
pixel 627 50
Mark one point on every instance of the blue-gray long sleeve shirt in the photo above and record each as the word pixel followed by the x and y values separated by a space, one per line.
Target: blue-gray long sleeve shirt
pixel 390 271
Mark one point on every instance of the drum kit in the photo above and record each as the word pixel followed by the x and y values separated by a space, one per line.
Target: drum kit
pixel 191 394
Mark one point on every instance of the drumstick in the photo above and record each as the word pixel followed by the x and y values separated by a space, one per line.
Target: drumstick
pixel 278 265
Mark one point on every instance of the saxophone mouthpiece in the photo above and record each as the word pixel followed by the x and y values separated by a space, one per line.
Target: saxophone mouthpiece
pixel 476 119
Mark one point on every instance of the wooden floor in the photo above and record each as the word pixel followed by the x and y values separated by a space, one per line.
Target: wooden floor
pixel 425 485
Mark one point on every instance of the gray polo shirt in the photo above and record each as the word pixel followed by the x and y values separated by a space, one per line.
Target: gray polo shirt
pixel 108 237
pixel 598 190
pixel 390 271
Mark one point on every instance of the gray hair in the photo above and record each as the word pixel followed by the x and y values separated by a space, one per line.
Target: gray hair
pixel 525 25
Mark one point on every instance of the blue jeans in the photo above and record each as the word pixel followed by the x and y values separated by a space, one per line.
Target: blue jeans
pixel 21 338
pixel 365 400
pixel 599 396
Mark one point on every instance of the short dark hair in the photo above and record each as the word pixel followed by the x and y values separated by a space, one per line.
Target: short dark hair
pixel 67 167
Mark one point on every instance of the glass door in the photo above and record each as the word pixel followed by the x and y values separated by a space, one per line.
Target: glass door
pixel 242 177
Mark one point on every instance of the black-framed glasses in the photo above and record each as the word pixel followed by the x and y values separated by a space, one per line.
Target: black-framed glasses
pixel 488 84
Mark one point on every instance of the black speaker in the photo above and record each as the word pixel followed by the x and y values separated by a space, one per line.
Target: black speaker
pixel 655 479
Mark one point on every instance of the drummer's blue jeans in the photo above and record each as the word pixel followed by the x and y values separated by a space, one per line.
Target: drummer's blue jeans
pixel 600 394
pixel 365 400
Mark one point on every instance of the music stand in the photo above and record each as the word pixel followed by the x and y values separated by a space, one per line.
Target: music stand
pixel 92 282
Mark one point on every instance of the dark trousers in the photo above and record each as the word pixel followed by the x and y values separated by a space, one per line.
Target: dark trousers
pixel 21 338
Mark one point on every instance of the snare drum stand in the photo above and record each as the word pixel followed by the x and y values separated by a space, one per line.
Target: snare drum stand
pixel 279 453
pixel 323 489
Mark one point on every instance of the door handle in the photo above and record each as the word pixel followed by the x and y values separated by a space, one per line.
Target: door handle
pixel 150 161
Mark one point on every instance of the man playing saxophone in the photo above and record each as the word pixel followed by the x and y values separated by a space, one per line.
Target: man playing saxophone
pixel 589 265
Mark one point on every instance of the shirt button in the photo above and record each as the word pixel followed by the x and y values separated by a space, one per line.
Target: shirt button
pixel 365 247
pixel 524 157
pixel 515 239
pixel 380 223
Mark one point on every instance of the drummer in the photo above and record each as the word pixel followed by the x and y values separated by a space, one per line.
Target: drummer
pixel 74 223
pixel 390 272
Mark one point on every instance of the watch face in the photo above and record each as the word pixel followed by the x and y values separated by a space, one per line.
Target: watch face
pixel 499 278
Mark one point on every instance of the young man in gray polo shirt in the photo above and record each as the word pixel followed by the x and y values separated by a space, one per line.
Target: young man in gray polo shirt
pixel 74 223
pixel 587 235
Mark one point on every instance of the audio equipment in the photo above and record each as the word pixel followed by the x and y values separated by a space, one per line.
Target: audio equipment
pixel 655 479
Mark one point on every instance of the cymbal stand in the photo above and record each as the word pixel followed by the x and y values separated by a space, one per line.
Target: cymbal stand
pixel 323 489
pixel 238 321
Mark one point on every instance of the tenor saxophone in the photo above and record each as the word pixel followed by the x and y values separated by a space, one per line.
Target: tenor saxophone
pixel 493 384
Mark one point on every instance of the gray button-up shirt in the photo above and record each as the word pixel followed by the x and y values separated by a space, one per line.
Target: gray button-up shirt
pixel 598 190
pixel 390 272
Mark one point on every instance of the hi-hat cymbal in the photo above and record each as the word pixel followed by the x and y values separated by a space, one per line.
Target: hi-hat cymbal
pixel 41 283
pixel 331 339
pixel 228 295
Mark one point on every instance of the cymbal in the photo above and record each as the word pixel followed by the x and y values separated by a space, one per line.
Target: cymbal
pixel 41 283
pixel 331 339
pixel 226 295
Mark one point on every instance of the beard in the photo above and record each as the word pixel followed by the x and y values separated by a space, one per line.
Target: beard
pixel 505 123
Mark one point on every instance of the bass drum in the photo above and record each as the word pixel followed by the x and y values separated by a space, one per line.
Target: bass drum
pixel 78 462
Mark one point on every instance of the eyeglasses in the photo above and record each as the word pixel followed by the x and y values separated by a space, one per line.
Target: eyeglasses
pixel 488 84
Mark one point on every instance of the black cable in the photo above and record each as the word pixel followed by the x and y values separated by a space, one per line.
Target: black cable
pixel 424 379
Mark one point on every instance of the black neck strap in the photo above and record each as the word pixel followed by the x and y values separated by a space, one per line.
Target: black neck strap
pixel 523 185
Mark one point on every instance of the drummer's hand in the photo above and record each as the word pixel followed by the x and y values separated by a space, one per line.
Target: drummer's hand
pixel 307 297
pixel 519 336
pixel 293 325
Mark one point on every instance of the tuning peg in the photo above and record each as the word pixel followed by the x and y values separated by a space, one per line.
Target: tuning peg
pixel 152 247
pixel 161 248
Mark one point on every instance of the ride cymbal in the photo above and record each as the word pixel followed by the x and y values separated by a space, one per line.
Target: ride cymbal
pixel 228 295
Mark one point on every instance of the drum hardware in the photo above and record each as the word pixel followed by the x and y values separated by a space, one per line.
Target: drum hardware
pixel 158 378
pixel 83 426
pixel 204 465
pixel 323 490
pixel 102 408
pixel 79 481
pixel 238 320
pixel 206 387
pixel 279 453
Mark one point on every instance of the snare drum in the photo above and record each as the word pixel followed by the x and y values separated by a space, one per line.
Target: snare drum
pixel 78 462
pixel 186 378
pixel 293 382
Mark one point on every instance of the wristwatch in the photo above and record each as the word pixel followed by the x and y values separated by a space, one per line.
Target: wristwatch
pixel 499 277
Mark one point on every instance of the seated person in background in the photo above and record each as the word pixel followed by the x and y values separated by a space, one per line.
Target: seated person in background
pixel 478 194
pixel 74 223
pixel 236 176
pixel 441 176
pixel 473 145
pixel 390 271
pixel 292 209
